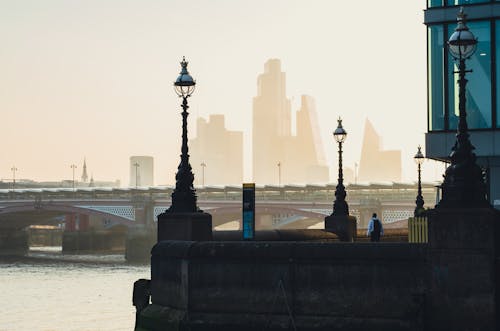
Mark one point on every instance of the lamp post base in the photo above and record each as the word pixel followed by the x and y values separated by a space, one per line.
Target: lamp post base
pixel 343 226
pixel 463 272
pixel 185 226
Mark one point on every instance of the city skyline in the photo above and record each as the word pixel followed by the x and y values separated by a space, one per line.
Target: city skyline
pixel 299 158
pixel 86 79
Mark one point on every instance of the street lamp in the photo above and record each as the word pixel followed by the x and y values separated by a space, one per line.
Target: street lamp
pixel 340 207
pixel 419 209
pixel 279 173
pixel 14 169
pixel 73 167
pixel 203 165
pixel 463 184
pixel 184 194
pixel 136 165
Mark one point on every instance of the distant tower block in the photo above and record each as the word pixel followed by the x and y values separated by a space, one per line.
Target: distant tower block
pixel 85 177
pixel 219 150
pixel 143 173
pixel 271 123
pixel 300 156
pixel 376 164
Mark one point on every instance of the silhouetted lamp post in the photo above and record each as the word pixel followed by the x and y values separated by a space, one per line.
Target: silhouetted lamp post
pixel 136 165
pixel 203 166
pixel 340 206
pixel 14 169
pixel 463 184
pixel 73 167
pixel 279 173
pixel 184 196
pixel 419 202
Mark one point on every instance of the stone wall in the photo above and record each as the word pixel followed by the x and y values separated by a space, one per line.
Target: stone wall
pixel 285 285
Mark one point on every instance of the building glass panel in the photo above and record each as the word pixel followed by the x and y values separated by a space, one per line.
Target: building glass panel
pixel 478 91
pixel 435 3
pixel 497 53
pixel 436 72
pixel 463 2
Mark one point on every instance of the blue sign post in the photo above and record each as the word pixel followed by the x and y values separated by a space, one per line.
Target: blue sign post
pixel 248 211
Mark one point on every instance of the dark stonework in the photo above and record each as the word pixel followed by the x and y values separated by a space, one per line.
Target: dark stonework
pixel 303 280
pixel 196 226
pixel 462 269
pixel 274 285
pixel 343 226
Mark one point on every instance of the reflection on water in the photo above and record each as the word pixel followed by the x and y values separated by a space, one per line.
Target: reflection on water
pixel 51 291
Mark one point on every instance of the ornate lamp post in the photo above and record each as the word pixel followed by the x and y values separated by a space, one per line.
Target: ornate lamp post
pixel 184 194
pixel 203 166
pixel 279 173
pixel 136 165
pixel 463 184
pixel 340 206
pixel 73 167
pixel 419 159
pixel 14 169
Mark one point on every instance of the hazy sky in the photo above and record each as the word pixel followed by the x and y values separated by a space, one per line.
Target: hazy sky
pixel 93 78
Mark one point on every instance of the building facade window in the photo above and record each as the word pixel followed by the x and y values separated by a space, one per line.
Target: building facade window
pixel 478 92
pixel 464 2
pixel 443 89
pixel 441 3
pixel 435 35
pixel 497 64
pixel 434 3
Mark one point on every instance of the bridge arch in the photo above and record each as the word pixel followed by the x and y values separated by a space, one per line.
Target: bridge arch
pixel 222 215
pixel 45 213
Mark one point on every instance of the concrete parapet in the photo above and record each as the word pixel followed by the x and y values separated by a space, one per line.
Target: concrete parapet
pixel 278 235
pixel 271 285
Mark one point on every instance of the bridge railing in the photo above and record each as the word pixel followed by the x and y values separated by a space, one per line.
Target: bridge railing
pixel 312 193
pixel 418 230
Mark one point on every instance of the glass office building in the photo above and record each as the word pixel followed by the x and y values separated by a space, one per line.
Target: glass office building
pixel 483 106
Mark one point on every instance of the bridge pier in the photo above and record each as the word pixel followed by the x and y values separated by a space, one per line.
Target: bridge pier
pixel 80 237
pixel 138 244
pixel 101 241
pixel 14 242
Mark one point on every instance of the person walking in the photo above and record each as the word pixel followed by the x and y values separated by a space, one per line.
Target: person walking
pixel 375 229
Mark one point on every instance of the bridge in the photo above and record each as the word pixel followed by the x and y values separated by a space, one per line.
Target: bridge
pixel 115 213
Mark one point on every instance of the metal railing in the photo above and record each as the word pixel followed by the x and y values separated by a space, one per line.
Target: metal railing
pixel 418 230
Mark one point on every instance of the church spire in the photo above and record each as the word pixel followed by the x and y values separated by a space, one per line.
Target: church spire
pixel 84 173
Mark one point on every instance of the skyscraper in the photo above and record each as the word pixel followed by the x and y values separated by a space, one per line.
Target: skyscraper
pixel 377 164
pixel 141 171
pixel 277 155
pixel 216 153
pixel 271 122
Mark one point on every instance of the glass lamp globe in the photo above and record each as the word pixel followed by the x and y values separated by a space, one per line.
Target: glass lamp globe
pixel 419 157
pixel 462 43
pixel 339 134
pixel 185 84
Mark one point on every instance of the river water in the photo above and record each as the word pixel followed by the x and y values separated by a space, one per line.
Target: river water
pixel 49 291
